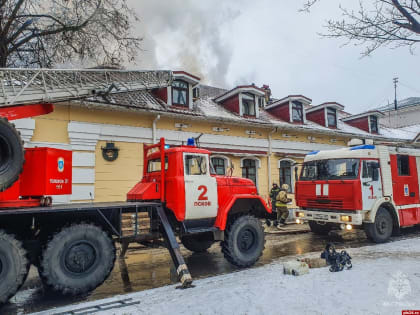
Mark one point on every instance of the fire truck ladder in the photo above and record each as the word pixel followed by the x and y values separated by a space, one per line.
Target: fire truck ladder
pixel 30 86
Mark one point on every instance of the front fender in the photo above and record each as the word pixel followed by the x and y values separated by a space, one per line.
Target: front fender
pixel 241 203
pixel 371 214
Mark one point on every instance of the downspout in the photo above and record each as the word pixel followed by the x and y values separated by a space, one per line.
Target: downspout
pixel 154 128
pixel 270 150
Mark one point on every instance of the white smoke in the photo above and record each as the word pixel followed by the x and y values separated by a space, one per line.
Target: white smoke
pixel 186 35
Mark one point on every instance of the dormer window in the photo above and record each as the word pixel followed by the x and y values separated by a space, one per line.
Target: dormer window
pixel 332 117
pixel 248 104
pixel 297 111
pixel 373 124
pixel 180 95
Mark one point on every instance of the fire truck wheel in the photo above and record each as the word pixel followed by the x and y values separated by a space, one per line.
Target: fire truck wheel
pixel 381 230
pixel 320 229
pixel 244 241
pixel 11 154
pixel 77 259
pixel 14 266
pixel 197 243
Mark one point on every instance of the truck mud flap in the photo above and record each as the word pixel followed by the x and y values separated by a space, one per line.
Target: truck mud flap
pixel 184 275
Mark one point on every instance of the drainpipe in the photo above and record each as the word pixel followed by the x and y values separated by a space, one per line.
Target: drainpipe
pixel 269 156
pixel 154 128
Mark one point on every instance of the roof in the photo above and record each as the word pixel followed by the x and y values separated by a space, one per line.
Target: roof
pixel 287 99
pixel 205 108
pixel 376 113
pixel 324 105
pixel 407 102
pixel 239 89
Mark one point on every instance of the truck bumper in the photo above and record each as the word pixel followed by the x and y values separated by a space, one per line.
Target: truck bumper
pixel 353 218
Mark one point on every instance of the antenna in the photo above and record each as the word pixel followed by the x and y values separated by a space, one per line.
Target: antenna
pixel 395 80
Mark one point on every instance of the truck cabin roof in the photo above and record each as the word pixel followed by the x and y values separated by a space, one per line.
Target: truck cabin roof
pixel 357 152
pixel 183 148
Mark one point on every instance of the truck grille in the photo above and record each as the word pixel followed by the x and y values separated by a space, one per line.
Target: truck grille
pixel 325 204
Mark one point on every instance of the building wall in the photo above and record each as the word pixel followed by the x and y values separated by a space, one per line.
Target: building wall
pixel 281 111
pixel 317 116
pixel 85 131
pixel 361 123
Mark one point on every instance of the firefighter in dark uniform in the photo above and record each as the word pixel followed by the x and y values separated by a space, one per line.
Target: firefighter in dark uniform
pixel 273 194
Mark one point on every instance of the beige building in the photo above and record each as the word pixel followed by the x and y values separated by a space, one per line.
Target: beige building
pixel 261 138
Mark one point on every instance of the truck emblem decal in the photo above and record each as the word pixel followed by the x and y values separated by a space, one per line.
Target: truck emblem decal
pixel 406 190
pixel 60 164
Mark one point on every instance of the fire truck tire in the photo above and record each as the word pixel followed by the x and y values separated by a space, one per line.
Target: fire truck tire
pixel 11 154
pixel 77 259
pixel 244 241
pixel 320 229
pixel 197 243
pixel 14 266
pixel 381 230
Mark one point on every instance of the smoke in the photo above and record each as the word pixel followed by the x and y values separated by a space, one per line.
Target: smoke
pixel 186 35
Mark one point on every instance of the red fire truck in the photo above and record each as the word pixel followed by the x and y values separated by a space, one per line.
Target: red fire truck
pixel 375 187
pixel 72 245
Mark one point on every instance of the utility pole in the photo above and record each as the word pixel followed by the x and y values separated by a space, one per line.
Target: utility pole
pixel 395 90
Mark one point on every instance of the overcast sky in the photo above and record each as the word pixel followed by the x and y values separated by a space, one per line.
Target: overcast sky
pixel 234 42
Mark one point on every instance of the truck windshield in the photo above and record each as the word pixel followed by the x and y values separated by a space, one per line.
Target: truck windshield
pixel 155 165
pixel 330 169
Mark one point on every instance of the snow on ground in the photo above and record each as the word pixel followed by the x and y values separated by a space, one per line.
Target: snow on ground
pixel 385 279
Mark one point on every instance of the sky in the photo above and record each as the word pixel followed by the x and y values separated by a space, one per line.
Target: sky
pixel 228 43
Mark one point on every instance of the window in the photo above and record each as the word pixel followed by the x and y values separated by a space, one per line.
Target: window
pixel 370 170
pixel 219 165
pixel 249 169
pixel 286 170
pixel 330 169
pixel 248 104
pixel 373 124
pixel 195 165
pixel 332 117
pixel 403 164
pixel 155 165
pixel 297 111
pixel 261 102
pixel 180 93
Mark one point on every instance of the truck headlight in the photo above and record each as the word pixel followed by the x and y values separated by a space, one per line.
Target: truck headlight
pixel 345 218
pixel 300 214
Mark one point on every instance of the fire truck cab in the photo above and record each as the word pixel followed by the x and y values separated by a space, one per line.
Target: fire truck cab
pixel 371 186
pixel 203 207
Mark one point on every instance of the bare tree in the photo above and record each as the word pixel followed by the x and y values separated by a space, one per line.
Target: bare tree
pixel 376 23
pixel 41 33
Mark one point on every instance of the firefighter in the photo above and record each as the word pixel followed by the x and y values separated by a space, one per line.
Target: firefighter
pixel 281 202
pixel 273 194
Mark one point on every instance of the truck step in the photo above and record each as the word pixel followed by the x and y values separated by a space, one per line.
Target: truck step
pixel 201 230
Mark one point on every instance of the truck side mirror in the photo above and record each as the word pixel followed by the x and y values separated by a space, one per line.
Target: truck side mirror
pixel 296 174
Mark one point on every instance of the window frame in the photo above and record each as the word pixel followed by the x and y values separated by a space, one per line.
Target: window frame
pixel 219 158
pixel 291 167
pixel 248 97
pixel 298 106
pixel 399 160
pixel 196 155
pixel 373 121
pixel 181 89
pixel 247 167
pixel 332 112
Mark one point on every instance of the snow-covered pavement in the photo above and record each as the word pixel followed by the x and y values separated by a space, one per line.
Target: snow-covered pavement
pixel 385 279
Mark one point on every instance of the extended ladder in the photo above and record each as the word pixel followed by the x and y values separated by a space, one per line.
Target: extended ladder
pixel 30 86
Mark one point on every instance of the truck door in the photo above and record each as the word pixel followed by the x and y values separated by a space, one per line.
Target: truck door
pixel 371 183
pixel 200 187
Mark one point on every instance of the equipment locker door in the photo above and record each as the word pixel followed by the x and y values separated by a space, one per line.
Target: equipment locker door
pixel 371 183
pixel 200 187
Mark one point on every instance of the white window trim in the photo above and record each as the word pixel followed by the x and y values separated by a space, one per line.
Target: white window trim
pixel 227 160
pixel 257 108
pixel 169 95
pixel 190 96
pixel 292 174
pixel 291 111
